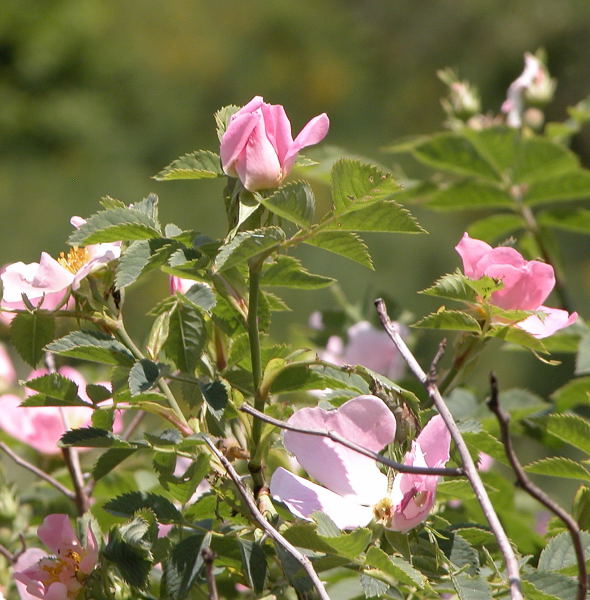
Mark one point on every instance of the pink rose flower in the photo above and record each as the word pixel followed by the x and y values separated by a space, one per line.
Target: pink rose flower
pixel 527 283
pixel 41 427
pixel 258 148
pixel 179 284
pixel 355 489
pixel 59 576
pixel 366 346
pixel 48 282
pixel 7 372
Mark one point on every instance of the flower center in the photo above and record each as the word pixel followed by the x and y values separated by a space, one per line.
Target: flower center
pixel 74 259
pixel 383 511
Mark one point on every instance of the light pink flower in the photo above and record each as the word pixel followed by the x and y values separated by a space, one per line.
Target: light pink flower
pixel 534 79
pixel 48 282
pixel 355 489
pixel 59 576
pixel 7 372
pixel 42 426
pixel 258 147
pixel 366 346
pixel 527 283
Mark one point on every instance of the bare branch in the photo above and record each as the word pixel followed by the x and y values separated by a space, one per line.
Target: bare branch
pixel 38 472
pixel 268 528
pixel 468 464
pixel 335 437
pixel 208 558
pixel 7 554
pixel 537 493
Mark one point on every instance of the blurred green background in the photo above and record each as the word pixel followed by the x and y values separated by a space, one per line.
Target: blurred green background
pixel 97 96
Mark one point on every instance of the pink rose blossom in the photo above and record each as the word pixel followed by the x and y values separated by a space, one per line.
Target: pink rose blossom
pixel 366 346
pixel 258 147
pixel 527 283
pixel 42 426
pixel 59 576
pixel 179 284
pixel 356 490
pixel 48 282
pixel 7 372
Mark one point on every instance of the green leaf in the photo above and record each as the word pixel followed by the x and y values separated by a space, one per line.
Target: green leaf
pixel 345 243
pixel 201 296
pixel 538 159
pixel 294 202
pixel 452 320
pixel 127 504
pixel 94 347
pixel 572 429
pixel 386 216
pixel 497 145
pixel 559 553
pixel 573 393
pixel 216 395
pixel 143 376
pixel 246 245
pixel 540 585
pixel 471 588
pixel 142 256
pixel 287 271
pixel 132 558
pixel 349 545
pixel 461 553
pixel 109 460
pixel 569 219
pixel 354 182
pixel 103 418
pixel 455 154
pixel 303 377
pixel 29 333
pixel 185 563
pixel 254 562
pixel 583 356
pixel 515 335
pixel 222 118
pixel 57 387
pixel 372 587
pixel 186 337
pixel 567 186
pixel 92 437
pixel 495 227
pixel 395 566
pixel 200 164
pixel 454 286
pixel 325 525
pixel 98 393
pixel 183 487
pixel 114 225
pixel 469 195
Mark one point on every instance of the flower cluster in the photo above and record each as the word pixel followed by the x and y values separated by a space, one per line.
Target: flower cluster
pixel 356 491
pixel 526 284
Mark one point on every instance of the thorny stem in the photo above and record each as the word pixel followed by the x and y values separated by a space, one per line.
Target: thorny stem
pixel 468 464
pixel 528 486
pixel 38 472
pixel 208 558
pixel 533 228
pixel 266 526
pixel 335 437
pixel 254 465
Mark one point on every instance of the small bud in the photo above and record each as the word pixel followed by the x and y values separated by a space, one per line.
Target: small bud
pixel 463 100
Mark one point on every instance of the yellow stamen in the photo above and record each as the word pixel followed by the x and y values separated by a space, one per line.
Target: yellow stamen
pixel 74 260
pixel 383 511
pixel 420 499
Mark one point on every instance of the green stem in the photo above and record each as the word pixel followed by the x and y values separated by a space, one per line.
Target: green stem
pixel 164 387
pixel 255 465
pixel 458 365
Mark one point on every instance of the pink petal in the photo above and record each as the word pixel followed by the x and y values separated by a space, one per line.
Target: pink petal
pixel 57 533
pixel 525 287
pixel 435 442
pixel 77 222
pixel 7 372
pixel 471 251
pixel 555 320
pixel 304 498
pixel 254 104
pixel 313 133
pixel 235 139
pixel 278 129
pixel 28 587
pixel 57 591
pixel 258 165
pixel 365 420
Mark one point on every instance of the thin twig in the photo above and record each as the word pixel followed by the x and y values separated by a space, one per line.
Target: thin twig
pixel 133 424
pixel 208 558
pixel 38 472
pixel 528 486
pixel 433 371
pixel 468 464
pixel 268 528
pixel 7 554
pixel 335 437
